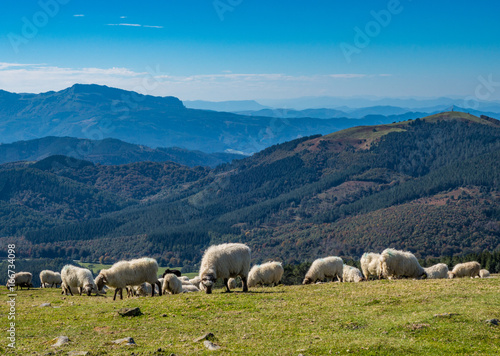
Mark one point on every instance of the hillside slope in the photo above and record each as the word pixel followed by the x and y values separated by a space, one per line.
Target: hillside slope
pixel 428 185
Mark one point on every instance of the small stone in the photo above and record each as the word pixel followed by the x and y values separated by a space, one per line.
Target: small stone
pixel 130 312
pixel 492 321
pixel 207 336
pixel 45 305
pixel 127 341
pixel 78 353
pixel 445 315
pixel 210 345
pixel 59 341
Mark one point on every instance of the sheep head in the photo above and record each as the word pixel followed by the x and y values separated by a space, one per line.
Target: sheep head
pixel 307 280
pixel 100 281
pixel 208 281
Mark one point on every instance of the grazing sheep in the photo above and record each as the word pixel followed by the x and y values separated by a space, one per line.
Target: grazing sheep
pixel 21 279
pixel 173 271
pixel 129 273
pixel 171 284
pixel 187 288
pixel 438 271
pixel 50 278
pixel 231 282
pixel 267 273
pixel 77 277
pixel 328 267
pixel 351 274
pixel 370 265
pixel 484 273
pixel 225 261
pixel 467 269
pixel 400 264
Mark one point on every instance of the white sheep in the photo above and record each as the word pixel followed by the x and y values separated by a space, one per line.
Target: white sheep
pixel 77 277
pixel 438 271
pixel 187 288
pixel 171 284
pixel 370 265
pixel 467 269
pixel 231 282
pixel 142 290
pixel 50 278
pixel 351 274
pixel 184 278
pixel 20 279
pixel 400 264
pixel 266 273
pixel 225 261
pixel 484 273
pixel 65 289
pixel 129 273
pixel 328 267
pixel 195 281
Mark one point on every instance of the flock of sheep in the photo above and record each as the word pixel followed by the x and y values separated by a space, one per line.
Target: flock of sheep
pixel 230 260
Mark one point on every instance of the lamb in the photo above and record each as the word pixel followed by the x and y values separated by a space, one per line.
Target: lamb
pixel 328 267
pixel 50 278
pixel 467 269
pixel 141 290
pixel 171 284
pixel 267 273
pixel 438 271
pixel 77 277
pixel 129 273
pixel 351 274
pixel 20 279
pixel 370 265
pixel 400 264
pixel 225 261
pixel 484 273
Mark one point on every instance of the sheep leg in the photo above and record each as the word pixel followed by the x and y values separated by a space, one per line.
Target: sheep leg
pixel 121 293
pixel 227 285
pixel 153 290
pixel 159 287
pixel 70 291
pixel 116 291
pixel 245 284
pixel 80 290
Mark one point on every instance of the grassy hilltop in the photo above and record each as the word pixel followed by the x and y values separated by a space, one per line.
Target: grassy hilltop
pixel 375 318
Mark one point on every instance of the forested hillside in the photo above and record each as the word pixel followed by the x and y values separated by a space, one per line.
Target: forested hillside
pixel 429 185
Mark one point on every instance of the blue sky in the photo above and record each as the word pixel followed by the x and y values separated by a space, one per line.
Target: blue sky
pixel 253 49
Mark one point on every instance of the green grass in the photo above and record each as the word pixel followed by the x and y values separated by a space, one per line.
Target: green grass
pixel 96 267
pixel 373 318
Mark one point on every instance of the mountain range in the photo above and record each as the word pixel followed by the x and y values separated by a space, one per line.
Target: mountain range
pixel 430 185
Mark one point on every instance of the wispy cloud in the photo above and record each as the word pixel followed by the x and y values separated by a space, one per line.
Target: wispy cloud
pixel 79 15
pixel 36 78
pixel 123 17
pixel 133 25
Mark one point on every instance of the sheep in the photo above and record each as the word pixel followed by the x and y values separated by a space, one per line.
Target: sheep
pixel 438 271
pixel 142 290
pixel 77 277
pixel 187 288
pixel 484 273
pixel 467 269
pixel 267 273
pixel 195 281
pixel 20 279
pixel 231 282
pixel 184 278
pixel 129 273
pixel 225 261
pixel 400 264
pixel 351 274
pixel 50 277
pixel 171 284
pixel 370 265
pixel 328 267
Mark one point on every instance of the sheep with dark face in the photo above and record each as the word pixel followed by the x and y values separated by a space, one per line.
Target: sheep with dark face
pixel 129 273
pixel 76 277
pixel 225 261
